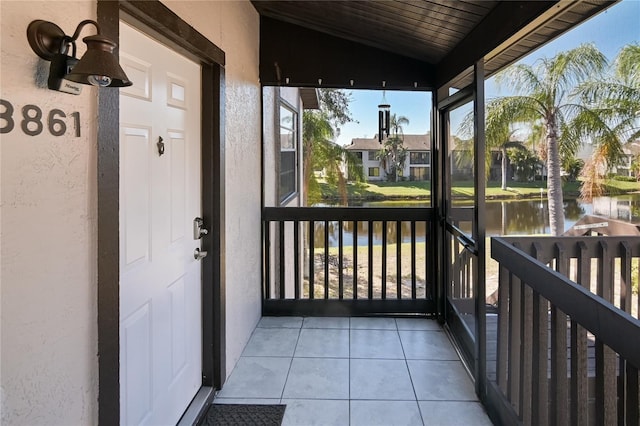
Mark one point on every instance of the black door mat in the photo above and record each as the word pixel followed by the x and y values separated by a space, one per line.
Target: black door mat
pixel 243 415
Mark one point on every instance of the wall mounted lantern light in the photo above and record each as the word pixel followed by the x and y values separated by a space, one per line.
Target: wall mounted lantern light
pixel 97 67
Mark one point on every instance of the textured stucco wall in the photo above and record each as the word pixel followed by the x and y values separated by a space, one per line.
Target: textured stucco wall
pixel 48 236
pixel 48 364
pixel 234 26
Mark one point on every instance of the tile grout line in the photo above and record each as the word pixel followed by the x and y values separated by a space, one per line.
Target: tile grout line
pixel 291 363
pixel 406 363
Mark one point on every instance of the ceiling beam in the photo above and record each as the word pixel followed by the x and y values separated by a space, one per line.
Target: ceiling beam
pixel 501 24
pixel 291 55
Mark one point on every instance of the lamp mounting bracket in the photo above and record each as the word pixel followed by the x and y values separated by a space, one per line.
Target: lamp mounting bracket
pixel 45 38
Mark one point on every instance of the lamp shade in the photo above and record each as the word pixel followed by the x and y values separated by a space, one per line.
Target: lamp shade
pixel 99 66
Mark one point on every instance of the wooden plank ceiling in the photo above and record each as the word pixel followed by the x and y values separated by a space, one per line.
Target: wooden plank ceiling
pixel 446 34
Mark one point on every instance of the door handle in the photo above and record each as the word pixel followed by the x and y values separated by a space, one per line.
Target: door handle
pixel 198 228
pixel 199 254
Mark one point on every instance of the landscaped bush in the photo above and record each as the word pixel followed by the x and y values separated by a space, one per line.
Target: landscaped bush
pixel 625 178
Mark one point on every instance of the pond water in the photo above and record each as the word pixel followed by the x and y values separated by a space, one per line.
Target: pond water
pixel 509 217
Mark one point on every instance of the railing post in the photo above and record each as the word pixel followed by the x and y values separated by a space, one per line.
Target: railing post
pixel 606 376
pixel 559 390
pixel 625 305
pixel 540 362
pixel 579 365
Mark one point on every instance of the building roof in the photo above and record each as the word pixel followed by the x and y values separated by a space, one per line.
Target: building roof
pixel 309 96
pixel 411 142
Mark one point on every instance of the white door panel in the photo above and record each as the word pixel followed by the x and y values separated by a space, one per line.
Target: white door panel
pixel 160 281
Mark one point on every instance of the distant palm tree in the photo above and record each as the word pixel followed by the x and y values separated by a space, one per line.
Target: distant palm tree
pixel 614 116
pixel 546 96
pixel 393 152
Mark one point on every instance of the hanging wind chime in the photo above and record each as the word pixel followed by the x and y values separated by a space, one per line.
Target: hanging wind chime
pixel 384 117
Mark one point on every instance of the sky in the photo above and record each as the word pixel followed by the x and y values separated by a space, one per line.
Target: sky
pixel 609 31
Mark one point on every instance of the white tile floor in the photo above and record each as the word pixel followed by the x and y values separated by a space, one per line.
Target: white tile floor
pixel 355 371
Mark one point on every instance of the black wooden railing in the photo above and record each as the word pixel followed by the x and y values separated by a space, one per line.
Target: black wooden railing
pixel 558 353
pixel 347 261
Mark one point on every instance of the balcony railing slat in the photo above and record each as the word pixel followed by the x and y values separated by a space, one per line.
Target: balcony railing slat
pixel 267 261
pixel 399 259
pixel 560 392
pixel 515 319
pixel 355 260
pixel 502 356
pixel 281 268
pixel 312 259
pixel 370 261
pixel 326 259
pixel 413 260
pixel 625 305
pixel 340 260
pixel 540 382
pixel 384 260
pixel 540 362
pixel 296 258
pixel 626 286
pixel 606 382
pixel 579 363
pixel 526 354
pixel 632 395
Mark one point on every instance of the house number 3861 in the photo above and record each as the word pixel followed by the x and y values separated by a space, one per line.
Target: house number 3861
pixel 32 120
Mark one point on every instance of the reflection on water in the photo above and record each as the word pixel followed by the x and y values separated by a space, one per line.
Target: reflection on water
pixel 512 217
pixel 362 233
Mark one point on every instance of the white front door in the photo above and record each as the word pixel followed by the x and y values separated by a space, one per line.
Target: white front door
pixel 160 195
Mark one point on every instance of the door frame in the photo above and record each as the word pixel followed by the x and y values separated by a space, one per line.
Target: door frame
pixel 474 352
pixel 160 23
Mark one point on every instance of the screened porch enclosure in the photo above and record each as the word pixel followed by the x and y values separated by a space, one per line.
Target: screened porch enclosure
pixel 534 357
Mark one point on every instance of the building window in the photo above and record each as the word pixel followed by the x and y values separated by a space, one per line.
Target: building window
pixel 419 173
pixel 288 152
pixel 358 155
pixel 374 171
pixel 372 155
pixel 420 157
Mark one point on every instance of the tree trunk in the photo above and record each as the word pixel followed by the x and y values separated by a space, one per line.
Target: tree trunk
pixel 504 168
pixel 554 180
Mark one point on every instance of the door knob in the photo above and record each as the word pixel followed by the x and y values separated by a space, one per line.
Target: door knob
pixel 199 254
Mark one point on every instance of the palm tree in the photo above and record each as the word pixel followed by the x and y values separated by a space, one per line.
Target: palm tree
pixel 321 153
pixel 616 116
pixel 393 152
pixel 546 96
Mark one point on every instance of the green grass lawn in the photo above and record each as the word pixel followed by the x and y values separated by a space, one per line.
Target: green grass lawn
pixel 422 189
